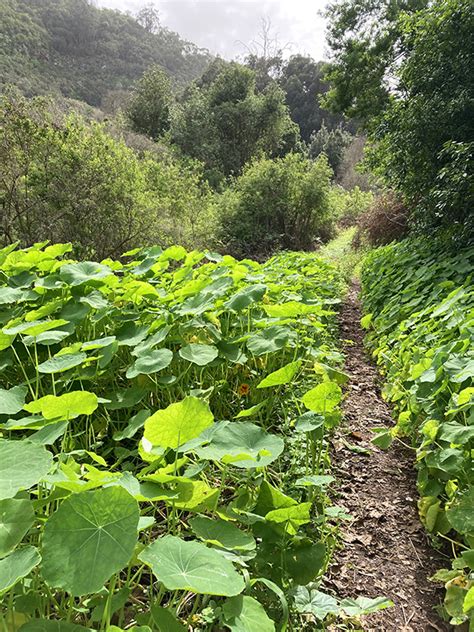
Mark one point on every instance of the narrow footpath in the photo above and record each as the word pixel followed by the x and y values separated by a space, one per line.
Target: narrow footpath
pixel 386 550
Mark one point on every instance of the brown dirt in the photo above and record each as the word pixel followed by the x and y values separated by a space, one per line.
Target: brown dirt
pixel 386 550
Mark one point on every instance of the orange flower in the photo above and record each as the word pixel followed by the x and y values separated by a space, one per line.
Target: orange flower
pixel 244 389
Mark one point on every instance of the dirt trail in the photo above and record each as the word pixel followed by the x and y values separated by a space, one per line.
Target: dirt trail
pixel 386 550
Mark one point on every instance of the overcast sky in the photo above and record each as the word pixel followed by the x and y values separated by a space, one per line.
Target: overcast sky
pixel 226 26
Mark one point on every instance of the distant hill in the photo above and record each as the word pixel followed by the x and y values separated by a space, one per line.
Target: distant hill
pixel 75 49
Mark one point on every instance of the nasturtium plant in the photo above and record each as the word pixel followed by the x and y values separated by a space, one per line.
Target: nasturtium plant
pixel 242 444
pixel 323 398
pixel 67 406
pixel 418 297
pixel 17 565
pixel 177 424
pixel 222 533
pixel 157 469
pixel 16 517
pixel 12 400
pixel 199 354
pixel 186 565
pixel 22 465
pixel 246 614
pixel 96 532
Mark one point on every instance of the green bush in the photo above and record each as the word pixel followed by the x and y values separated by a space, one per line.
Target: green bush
pixel 64 179
pixel 276 204
pixel 349 205
pixel 419 299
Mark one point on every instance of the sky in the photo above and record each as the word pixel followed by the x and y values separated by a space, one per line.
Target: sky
pixel 229 27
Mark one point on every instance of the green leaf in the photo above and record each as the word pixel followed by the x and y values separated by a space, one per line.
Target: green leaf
pixel 364 605
pixel 323 398
pixel 22 465
pixel 84 272
pixel 182 565
pixel 468 600
pixel 47 625
pixel 383 438
pixel 291 517
pixel 222 533
pixel 173 426
pixel 62 363
pixel 281 376
pixel 246 297
pixel 35 328
pixel 319 480
pixel 150 362
pixel 253 410
pixel 242 444
pixel 291 309
pixel 307 422
pixel 16 517
pixel 304 561
pixel 246 614
pixel 12 400
pixel 134 425
pixel 17 565
pixel 96 532
pixel 67 406
pixel 461 512
pixel 199 354
pixel 269 340
pixel 366 321
pixel 309 600
pixel 165 620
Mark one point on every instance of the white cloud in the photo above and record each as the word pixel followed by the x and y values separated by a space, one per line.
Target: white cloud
pixel 226 26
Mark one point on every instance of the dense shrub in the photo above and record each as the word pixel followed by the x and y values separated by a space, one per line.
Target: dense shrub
pixel 64 179
pixel 419 295
pixel 277 204
pixel 349 205
pixel 385 221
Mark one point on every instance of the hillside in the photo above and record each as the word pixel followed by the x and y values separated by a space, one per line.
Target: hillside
pixel 73 48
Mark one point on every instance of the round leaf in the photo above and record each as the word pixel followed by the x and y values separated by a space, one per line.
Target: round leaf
pixel 83 272
pixel 16 517
pixel 178 423
pixel 323 398
pixel 243 444
pixel 67 406
pixel 13 400
pixel 246 614
pixel 95 532
pixel 22 465
pixel 222 533
pixel 62 363
pixel 16 566
pixel 281 376
pixel 150 362
pixel 199 354
pixel 182 565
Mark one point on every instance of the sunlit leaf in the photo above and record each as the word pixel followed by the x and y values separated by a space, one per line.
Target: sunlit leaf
pixel 184 565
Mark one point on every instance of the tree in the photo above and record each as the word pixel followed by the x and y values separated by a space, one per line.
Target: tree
pixel 226 122
pixel 149 107
pixel 366 42
pixel 149 18
pixel 332 143
pixel 412 82
pixel 302 81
